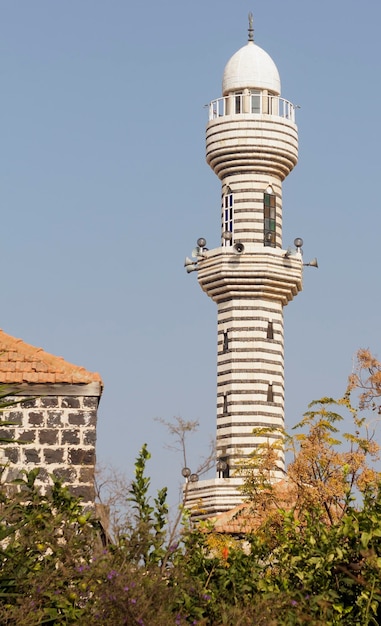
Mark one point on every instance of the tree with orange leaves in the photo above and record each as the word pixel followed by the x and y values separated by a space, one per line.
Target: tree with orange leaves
pixel 366 378
pixel 330 468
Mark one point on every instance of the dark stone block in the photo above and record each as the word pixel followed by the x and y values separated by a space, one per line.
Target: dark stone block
pixel 54 419
pixel 13 416
pixel 49 402
pixel 66 475
pixel 36 419
pixel 77 419
pixel 85 492
pixel 70 402
pixel 90 437
pixel 7 433
pixel 32 455
pixel 91 418
pixel 12 454
pixel 82 457
pixel 86 475
pixel 52 455
pixel 90 402
pixel 70 436
pixel 30 404
pixel 27 435
pixel 13 474
pixel 43 475
pixel 83 418
pixel 49 435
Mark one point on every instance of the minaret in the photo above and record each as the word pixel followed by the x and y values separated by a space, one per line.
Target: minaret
pixel 251 145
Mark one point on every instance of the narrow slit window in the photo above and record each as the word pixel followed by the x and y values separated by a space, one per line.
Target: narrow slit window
pixel 270 393
pixel 269 213
pixel 272 101
pixel 270 330
pixel 227 219
pixel 225 347
pixel 225 407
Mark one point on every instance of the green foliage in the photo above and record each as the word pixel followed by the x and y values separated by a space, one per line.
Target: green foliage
pixel 42 538
pixel 146 537
pixel 53 569
pixel 313 556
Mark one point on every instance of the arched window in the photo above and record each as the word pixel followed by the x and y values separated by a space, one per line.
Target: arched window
pixel 227 218
pixel 270 393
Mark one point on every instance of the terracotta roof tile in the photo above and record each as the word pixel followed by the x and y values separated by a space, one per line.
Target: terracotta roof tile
pixel 236 521
pixel 246 518
pixel 22 363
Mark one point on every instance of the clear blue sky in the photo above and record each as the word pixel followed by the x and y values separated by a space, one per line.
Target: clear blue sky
pixel 105 189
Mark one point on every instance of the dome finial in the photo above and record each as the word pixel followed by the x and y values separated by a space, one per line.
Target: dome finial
pixel 251 29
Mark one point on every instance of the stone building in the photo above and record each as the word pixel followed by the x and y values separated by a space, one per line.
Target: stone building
pixel 251 145
pixel 56 421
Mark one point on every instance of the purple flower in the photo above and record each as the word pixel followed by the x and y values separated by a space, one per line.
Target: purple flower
pixel 133 600
pixel 293 603
pixel 112 574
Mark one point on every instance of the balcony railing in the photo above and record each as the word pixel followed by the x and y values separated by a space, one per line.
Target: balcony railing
pixel 252 104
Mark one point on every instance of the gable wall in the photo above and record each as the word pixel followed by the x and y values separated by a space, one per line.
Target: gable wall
pixel 59 432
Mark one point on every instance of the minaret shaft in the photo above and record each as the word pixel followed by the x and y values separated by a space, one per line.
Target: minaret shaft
pixel 250 358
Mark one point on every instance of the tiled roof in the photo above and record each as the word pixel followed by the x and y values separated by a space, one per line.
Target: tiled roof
pixel 246 518
pixel 239 520
pixel 22 363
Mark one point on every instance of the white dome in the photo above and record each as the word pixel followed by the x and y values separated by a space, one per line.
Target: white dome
pixel 250 68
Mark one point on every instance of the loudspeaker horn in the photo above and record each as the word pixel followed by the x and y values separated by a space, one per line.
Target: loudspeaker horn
pixel 238 248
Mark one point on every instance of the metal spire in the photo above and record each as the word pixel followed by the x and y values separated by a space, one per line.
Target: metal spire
pixel 251 29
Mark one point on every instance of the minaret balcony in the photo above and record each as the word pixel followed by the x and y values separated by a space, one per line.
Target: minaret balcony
pixel 239 142
pixel 242 104
pixel 259 274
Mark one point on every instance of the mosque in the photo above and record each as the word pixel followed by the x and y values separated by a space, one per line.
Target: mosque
pixel 251 145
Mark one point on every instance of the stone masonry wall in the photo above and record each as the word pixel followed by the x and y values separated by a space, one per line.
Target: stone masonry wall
pixel 59 434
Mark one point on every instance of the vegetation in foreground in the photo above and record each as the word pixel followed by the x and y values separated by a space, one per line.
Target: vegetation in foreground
pixel 311 553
